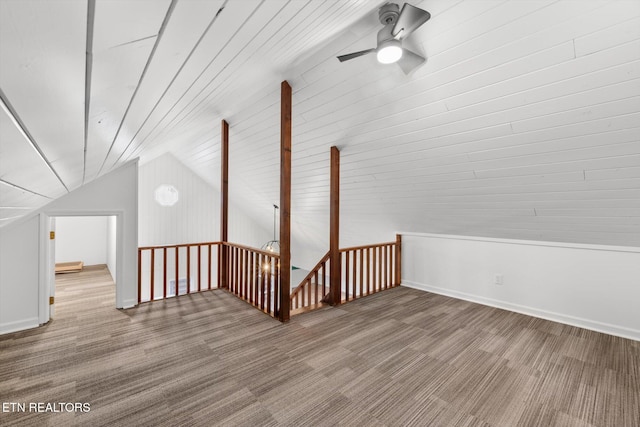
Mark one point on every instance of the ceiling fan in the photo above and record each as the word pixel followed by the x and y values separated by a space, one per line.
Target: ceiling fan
pixel 398 25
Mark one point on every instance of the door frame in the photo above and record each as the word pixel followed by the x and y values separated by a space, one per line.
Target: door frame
pixel 46 284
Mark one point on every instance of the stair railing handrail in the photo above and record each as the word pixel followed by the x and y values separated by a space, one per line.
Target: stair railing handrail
pixel 309 276
pixel 252 249
pixel 178 245
pixel 373 245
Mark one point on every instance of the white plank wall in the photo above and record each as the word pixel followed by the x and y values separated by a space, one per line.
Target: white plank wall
pixel 192 219
pixel 195 217
pixel 523 123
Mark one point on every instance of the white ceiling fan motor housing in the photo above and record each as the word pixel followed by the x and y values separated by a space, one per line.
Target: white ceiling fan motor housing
pixel 389 13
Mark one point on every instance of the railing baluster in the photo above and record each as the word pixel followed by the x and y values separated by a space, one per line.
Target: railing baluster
pixel 361 272
pixel 242 283
pixel 379 268
pixel 247 275
pixel 304 291
pixel 276 288
pixel 389 266
pixel 236 285
pixel 263 283
pixel 247 284
pixel 177 269
pixel 199 276
pixel 239 254
pixel 250 265
pixel 152 275
pixel 220 267
pixel 164 273
pixel 315 278
pixel 209 267
pixel 247 289
pixel 256 279
pixel 188 269
pixel 316 289
pixel 230 270
pixel 325 288
pixel 386 267
pixel 346 274
pixel 368 273
pixel 373 270
pixel 353 269
pixel 392 264
pixel 268 275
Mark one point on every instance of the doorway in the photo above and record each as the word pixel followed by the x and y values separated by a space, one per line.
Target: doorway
pixel 73 238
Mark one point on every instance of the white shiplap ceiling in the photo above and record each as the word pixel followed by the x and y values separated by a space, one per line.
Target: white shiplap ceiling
pixel 523 123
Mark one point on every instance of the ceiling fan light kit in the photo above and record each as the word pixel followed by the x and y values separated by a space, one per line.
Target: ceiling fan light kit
pixel 389 52
pixel 398 25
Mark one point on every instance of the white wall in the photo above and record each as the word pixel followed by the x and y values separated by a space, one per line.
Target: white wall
pixel 595 287
pixel 196 215
pixel 19 274
pixel 23 245
pixel 114 193
pixel 82 238
pixel 111 245
pixel 192 219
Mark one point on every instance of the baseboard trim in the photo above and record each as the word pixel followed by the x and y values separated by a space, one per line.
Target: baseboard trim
pixel 129 303
pixel 632 334
pixel 20 325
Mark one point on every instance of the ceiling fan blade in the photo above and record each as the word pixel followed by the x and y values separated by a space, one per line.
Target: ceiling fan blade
pixel 349 56
pixel 410 19
pixel 410 61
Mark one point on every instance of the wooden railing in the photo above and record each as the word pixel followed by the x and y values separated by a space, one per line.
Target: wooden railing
pixel 313 288
pixel 365 270
pixel 254 276
pixel 369 269
pixel 172 270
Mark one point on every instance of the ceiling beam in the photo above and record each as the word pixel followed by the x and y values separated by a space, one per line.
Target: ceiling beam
pixel 163 26
pixel 17 187
pixel 8 108
pixel 91 9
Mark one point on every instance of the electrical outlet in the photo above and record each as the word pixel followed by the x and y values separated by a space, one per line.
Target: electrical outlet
pixel 499 279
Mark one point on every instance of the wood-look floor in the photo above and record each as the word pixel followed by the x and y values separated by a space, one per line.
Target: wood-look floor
pixel 400 357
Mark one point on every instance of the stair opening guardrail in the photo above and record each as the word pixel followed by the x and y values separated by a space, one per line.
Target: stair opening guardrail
pixel 365 270
pixel 173 270
pixel 253 275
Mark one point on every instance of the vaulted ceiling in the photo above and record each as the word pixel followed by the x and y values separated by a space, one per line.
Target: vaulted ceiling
pixel 523 123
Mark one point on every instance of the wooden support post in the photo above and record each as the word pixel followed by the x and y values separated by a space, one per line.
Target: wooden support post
pixel 334 226
pixel 224 204
pixel 285 201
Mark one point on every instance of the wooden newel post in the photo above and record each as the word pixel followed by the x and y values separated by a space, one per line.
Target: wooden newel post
pixel 285 201
pixel 224 205
pixel 335 293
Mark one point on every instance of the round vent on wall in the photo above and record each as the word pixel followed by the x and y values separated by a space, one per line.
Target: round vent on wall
pixel 167 195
